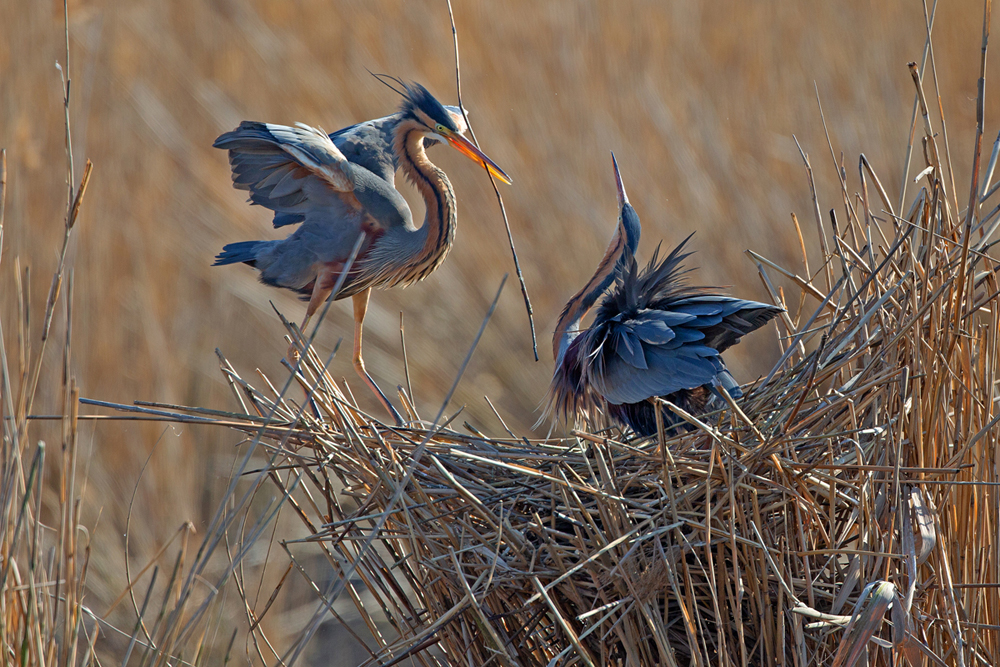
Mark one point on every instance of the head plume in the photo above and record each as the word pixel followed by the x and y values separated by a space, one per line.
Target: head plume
pixel 420 105
pixel 659 281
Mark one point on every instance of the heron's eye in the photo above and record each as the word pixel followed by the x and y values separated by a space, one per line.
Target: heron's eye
pixel 441 129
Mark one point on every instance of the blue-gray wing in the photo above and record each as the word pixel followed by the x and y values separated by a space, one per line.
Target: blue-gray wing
pixel 657 352
pixel 300 174
pixel 654 353
pixel 369 145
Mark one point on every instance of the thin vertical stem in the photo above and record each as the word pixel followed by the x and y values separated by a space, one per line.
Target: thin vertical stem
pixel 503 210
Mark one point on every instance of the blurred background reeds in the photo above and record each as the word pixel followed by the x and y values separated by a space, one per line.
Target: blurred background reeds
pixel 699 101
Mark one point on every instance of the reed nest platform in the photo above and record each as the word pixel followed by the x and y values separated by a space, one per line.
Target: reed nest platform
pixel 847 511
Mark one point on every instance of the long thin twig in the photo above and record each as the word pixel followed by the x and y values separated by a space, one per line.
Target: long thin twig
pixel 3 194
pixel 970 215
pixel 503 210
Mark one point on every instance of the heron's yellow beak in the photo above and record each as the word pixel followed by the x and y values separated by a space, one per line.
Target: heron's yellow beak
pixel 469 150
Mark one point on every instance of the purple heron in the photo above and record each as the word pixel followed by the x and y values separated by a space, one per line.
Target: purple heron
pixel 652 336
pixel 339 187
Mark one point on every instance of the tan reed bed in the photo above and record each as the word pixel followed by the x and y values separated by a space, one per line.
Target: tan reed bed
pixel 849 511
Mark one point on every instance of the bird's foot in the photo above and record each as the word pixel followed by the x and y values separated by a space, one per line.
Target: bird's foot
pixel 389 407
pixel 381 396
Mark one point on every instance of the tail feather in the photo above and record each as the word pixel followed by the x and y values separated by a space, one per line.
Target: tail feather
pixel 243 251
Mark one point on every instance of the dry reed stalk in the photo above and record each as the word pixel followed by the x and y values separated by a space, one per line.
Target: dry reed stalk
pixel 42 581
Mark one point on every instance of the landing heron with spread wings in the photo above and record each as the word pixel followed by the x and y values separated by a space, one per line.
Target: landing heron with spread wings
pixel 652 336
pixel 340 188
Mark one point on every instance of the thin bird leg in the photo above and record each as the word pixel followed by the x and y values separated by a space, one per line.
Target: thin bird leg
pixel 322 287
pixel 360 308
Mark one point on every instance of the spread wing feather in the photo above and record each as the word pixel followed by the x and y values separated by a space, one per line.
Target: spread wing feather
pixel 653 335
pixel 300 174
pixel 738 317
pixel 635 368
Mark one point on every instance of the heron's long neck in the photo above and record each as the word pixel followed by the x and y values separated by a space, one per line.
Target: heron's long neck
pixel 568 326
pixel 441 218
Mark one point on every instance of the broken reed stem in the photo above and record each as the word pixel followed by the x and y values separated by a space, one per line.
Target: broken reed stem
pixel 929 24
pixel 976 155
pixel 820 230
pixel 940 107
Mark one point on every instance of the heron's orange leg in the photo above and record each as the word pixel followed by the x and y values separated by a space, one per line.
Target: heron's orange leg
pixel 360 308
pixel 322 288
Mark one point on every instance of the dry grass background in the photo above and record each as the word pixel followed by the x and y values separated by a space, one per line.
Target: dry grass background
pixel 698 102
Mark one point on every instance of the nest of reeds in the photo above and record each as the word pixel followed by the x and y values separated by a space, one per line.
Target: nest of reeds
pixel 847 510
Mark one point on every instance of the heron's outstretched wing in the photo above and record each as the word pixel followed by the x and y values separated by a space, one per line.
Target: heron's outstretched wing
pixel 738 317
pixel 300 174
pixel 654 353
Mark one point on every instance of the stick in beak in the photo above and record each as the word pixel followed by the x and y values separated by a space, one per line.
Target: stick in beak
pixel 469 150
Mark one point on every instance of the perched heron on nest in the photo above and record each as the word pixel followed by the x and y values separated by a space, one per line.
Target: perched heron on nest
pixel 341 187
pixel 652 336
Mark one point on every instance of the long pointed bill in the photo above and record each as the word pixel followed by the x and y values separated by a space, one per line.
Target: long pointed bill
pixel 469 150
pixel 628 219
pixel 622 197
